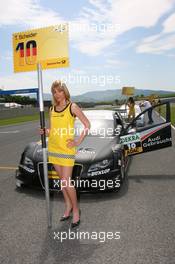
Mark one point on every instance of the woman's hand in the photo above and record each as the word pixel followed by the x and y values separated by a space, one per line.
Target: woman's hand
pixel 72 143
pixel 41 131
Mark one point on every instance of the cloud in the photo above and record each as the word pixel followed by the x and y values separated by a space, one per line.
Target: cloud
pixel 112 63
pixel 96 32
pixel 6 55
pixel 96 27
pixel 125 15
pixel 136 13
pixel 27 13
pixel 162 42
pixel 169 24
pixel 159 45
pixel 29 79
pixel 93 48
pixel 16 81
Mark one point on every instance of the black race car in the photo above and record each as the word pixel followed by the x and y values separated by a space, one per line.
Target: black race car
pixel 102 158
pixel 100 163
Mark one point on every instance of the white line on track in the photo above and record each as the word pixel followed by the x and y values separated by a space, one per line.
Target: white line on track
pixel 7 168
pixel 9 132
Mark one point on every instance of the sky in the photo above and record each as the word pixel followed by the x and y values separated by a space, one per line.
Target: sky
pixel 112 43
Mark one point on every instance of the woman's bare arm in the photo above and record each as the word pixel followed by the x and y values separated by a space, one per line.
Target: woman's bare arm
pixel 76 110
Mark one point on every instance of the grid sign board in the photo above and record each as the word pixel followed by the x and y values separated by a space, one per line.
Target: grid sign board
pixel 47 46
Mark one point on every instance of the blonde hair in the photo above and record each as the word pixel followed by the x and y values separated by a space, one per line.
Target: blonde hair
pixel 60 86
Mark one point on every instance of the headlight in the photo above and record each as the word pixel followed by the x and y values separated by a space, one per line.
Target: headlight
pixel 28 162
pixel 100 165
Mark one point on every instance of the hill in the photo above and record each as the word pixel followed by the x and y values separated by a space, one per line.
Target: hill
pixel 109 95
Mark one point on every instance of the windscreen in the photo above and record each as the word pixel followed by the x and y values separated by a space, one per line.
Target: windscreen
pixel 99 127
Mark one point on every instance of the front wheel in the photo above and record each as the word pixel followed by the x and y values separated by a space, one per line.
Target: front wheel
pixel 19 185
pixel 121 177
pixel 122 168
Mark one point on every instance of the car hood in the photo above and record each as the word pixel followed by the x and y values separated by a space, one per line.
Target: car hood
pixel 92 149
pixel 95 149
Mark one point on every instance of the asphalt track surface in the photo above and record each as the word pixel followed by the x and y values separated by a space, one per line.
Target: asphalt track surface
pixel 143 212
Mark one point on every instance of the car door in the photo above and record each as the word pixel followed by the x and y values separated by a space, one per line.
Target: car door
pixel 142 136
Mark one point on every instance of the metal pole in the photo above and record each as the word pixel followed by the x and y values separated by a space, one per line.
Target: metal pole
pixel 43 139
pixel 37 97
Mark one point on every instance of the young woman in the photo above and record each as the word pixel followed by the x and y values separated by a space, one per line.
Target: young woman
pixel 131 105
pixel 62 144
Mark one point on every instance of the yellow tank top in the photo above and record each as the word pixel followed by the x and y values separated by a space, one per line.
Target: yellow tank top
pixel 61 129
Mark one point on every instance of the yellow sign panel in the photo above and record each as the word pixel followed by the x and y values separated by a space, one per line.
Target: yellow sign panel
pixel 128 90
pixel 47 46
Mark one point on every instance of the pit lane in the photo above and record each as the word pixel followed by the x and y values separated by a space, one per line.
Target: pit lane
pixel 143 212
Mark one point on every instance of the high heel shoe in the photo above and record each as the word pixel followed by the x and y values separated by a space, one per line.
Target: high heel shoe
pixel 73 225
pixel 64 218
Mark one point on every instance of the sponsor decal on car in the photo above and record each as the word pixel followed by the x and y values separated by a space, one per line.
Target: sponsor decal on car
pixel 26 168
pixel 155 141
pixel 132 144
pixel 86 150
pixel 95 173
pixel 157 138
pixel 130 138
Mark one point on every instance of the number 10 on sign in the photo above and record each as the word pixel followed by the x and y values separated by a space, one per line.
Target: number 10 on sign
pixel 27 52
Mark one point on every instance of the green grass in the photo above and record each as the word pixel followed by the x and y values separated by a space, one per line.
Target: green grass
pixel 20 119
pixel 172 113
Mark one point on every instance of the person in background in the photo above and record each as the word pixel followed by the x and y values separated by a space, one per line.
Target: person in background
pixel 131 105
pixel 147 104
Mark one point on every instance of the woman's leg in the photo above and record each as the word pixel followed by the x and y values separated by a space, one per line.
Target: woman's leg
pixel 70 189
pixel 67 200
